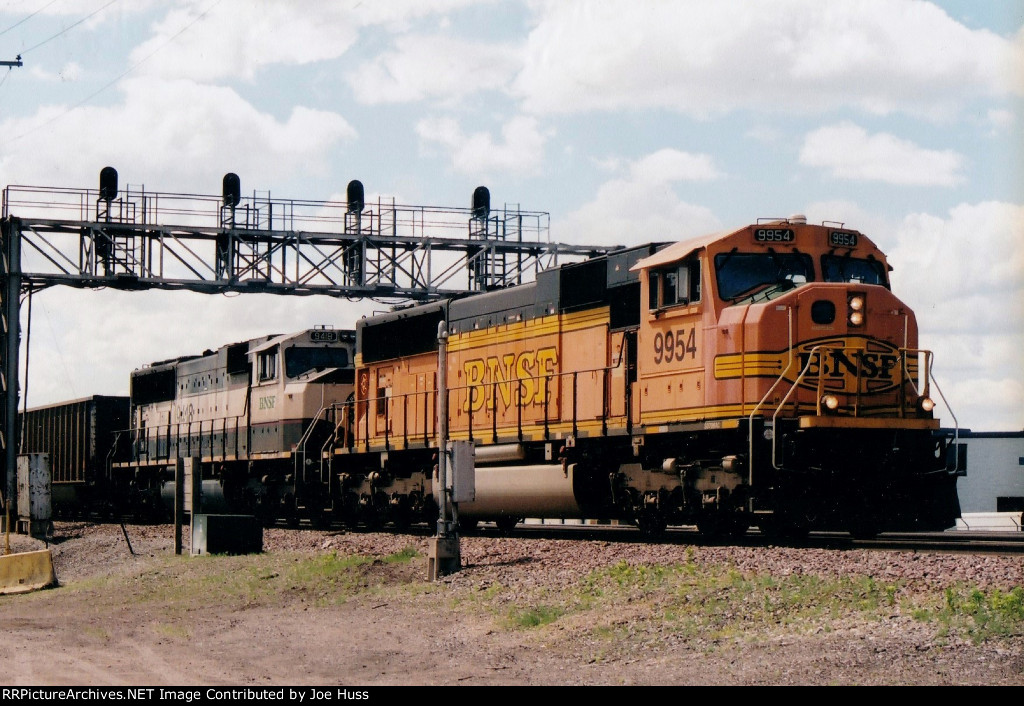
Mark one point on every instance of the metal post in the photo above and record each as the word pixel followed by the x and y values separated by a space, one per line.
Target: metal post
pixel 193 501
pixel 442 426
pixel 179 501
pixel 443 555
pixel 11 333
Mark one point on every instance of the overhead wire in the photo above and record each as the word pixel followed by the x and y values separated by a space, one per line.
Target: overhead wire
pixel 26 19
pixel 68 28
pixel 119 77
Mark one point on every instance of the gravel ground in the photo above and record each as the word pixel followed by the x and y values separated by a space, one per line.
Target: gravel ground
pixel 83 549
pixel 375 641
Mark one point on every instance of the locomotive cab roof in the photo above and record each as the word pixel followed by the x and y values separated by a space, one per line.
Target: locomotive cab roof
pixel 770 257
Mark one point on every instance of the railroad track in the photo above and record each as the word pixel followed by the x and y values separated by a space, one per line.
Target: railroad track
pixel 953 541
pixel 959 541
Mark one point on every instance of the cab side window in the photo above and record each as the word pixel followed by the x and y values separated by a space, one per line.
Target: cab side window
pixel 675 285
pixel 266 365
pixel 654 291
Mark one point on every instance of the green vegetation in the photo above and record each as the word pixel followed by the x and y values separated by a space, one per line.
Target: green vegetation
pixel 179 584
pixel 978 615
pixel 714 606
pixel 533 616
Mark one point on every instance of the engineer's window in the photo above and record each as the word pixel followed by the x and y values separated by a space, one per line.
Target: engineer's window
pixel 675 285
pixel 267 365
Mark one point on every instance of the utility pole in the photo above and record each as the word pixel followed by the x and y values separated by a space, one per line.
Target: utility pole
pixel 12 64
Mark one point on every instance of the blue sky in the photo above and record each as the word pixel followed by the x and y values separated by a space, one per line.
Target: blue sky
pixel 627 121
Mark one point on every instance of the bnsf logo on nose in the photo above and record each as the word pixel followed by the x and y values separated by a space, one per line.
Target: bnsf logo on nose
pixel 837 364
pixel 877 366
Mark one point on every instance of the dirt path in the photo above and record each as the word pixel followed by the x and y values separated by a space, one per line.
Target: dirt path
pixel 153 619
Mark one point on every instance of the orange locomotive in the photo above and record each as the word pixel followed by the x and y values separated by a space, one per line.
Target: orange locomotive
pixel 764 376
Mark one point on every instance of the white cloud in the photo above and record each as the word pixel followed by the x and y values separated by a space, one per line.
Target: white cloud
pixel 975 250
pixel 213 131
pixel 668 165
pixel 520 150
pixel 69 72
pixel 851 215
pixel 79 349
pixel 428 66
pixel 963 275
pixel 849 152
pixel 642 207
pixel 704 59
pixel 1000 119
pixel 236 38
pixel 606 164
pixel 764 134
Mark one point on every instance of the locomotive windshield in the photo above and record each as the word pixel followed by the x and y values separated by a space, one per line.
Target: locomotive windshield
pixel 745 274
pixel 838 268
pixel 301 360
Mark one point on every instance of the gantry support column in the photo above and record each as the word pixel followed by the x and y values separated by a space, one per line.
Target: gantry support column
pixel 10 338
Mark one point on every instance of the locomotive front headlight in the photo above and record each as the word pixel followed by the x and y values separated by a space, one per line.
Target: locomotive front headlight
pixel 855 308
pixel 926 404
pixel 830 402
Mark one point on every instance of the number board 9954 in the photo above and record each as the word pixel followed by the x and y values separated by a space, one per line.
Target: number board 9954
pixel 842 238
pixel 773 235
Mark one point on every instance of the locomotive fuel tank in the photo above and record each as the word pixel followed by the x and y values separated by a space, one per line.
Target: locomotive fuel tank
pixel 539 491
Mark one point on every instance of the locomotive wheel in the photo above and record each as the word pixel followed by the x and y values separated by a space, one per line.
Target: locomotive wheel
pixel 711 525
pixel 320 519
pixel 864 528
pixel 738 526
pixel 506 524
pixel 400 519
pixel 651 525
pixel 290 511
pixel 371 518
pixel 783 529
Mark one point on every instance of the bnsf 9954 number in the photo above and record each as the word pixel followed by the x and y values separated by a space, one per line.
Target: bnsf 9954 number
pixel 675 345
pixel 773 235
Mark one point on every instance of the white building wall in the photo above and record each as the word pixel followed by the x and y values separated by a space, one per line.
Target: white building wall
pixel 995 469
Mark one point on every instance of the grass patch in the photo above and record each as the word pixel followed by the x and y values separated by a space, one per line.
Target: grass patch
pixel 179 584
pixel 977 615
pixel 648 604
pixel 534 616
pixel 172 630
pixel 97 633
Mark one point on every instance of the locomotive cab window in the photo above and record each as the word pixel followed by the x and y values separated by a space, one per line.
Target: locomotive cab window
pixel 760 275
pixel 840 268
pixel 266 363
pixel 301 360
pixel 675 285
